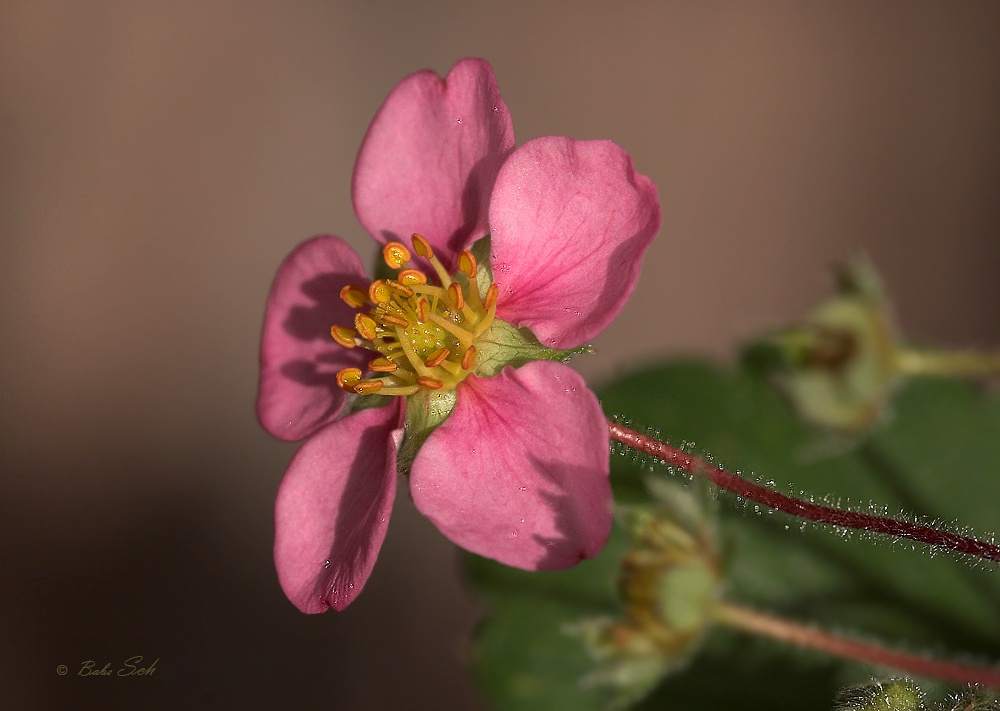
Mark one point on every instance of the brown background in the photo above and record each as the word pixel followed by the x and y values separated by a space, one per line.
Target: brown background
pixel 157 161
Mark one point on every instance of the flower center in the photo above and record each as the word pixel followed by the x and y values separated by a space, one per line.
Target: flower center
pixel 424 333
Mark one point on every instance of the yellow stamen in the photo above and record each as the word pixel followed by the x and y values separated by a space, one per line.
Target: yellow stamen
pixel 491 296
pixel 395 320
pixel 437 357
pixel 469 359
pixel 467 263
pixel 365 325
pixel 368 387
pixel 382 365
pixel 401 289
pixel 395 254
pixel 429 383
pixel 344 336
pixel 354 296
pixel 411 277
pixel 348 378
pixel 422 331
pixel 379 292
pixel 457 298
pixel 422 246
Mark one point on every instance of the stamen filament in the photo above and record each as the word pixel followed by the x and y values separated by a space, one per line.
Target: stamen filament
pixel 399 390
pixel 463 336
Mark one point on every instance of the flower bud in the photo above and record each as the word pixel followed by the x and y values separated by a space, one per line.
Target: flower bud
pixel 837 367
pixel 669 585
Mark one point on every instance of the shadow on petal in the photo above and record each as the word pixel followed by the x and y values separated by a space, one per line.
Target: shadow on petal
pixel 584 526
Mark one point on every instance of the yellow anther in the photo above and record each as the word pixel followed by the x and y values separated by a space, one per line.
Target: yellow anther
pixel 354 296
pixel 382 365
pixel 411 277
pixel 395 254
pixel 423 310
pixel 429 383
pixel 401 289
pixel 344 336
pixel 395 320
pixel 422 246
pixel 457 297
pixel 379 292
pixel 365 325
pixel 469 359
pixel 368 387
pixel 491 296
pixel 467 263
pixel 348 378
pixel 437 357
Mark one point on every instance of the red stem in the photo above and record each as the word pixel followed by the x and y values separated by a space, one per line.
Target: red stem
pixel 795 507
pixel 770 626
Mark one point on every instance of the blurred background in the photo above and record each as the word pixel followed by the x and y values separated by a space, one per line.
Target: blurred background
pixel 158 160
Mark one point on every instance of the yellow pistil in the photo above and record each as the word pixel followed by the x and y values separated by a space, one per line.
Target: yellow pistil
pixel 421 331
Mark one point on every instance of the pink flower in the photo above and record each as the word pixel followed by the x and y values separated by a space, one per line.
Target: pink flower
pixel 506 452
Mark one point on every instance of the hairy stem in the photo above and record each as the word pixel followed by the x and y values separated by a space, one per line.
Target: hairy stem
pixel 801 509
pixel 777 628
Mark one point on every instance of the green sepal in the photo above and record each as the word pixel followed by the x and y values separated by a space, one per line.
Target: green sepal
pixel 425 411
pixel 484 271
pixel 502 344
pixel 892 695
pixel 357 403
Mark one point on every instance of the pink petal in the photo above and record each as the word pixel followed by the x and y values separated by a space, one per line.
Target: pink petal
pixel 431 156
pixel 299 359
pixel 519 471
pixel 570 223
pixel 333 509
